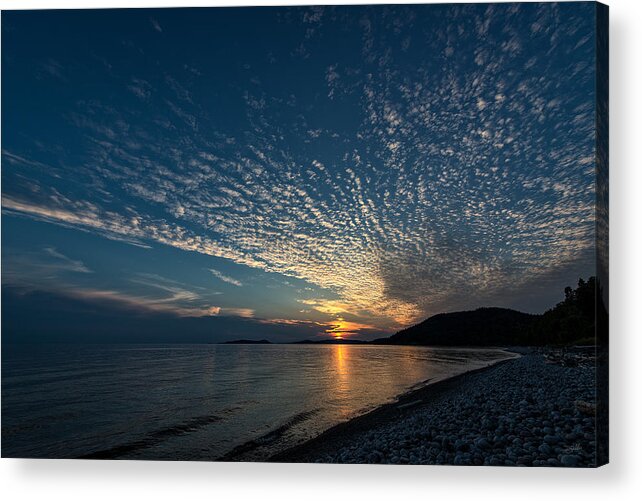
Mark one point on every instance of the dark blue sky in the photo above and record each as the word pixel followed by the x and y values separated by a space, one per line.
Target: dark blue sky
pixel 207 174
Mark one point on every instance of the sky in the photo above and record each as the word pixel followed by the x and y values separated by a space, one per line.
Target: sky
pixel 291 173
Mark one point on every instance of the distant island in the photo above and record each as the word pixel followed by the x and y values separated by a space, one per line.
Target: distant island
pixel 248 341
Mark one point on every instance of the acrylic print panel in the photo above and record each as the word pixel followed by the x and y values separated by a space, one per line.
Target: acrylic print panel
pixel 350 234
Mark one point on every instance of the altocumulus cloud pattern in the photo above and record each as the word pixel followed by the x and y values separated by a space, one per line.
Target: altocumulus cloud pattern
pixel 395 161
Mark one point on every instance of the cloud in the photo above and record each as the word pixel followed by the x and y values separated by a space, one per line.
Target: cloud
pixel 140 88
pixel 78 214
pixel 237 312
pixel 156 25
pixel 175 292
pixel 42 268
pixel 54 69
pixel 342 328
pixel 225 278
pixel 66 263
pixel 142 304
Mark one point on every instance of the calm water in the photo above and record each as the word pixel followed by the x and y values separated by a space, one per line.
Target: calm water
pixel 202 401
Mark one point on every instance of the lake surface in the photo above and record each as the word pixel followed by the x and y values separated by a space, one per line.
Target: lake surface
pixel 200 402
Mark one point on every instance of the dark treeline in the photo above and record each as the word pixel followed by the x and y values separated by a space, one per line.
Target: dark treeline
pixel 572 321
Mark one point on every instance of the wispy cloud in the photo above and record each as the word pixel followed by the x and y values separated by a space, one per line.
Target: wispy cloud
pixel 65 263
pixel 42 268
pixel 143 304
pixel 225 278
pixel 54 69
pixel 156 25
pixel 237 312
pixel 79 214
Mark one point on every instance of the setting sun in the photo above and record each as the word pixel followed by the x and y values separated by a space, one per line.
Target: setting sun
pixel 340 329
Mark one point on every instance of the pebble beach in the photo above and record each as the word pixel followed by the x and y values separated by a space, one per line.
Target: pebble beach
pixel 535 410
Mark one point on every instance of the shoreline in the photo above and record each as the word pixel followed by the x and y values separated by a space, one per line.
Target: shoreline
pixel 409 397
pixel 532 410
pixel 405 403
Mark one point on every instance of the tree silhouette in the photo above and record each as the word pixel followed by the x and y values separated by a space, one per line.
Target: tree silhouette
pixel 571 321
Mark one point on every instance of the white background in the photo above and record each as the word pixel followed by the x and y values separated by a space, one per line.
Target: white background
pixel 108 480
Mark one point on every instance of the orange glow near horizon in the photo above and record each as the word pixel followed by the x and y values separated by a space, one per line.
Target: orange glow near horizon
pixel 341 328
pixel 391 316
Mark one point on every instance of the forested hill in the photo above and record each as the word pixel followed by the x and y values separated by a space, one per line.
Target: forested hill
pixel 481 327
pixel 572 321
